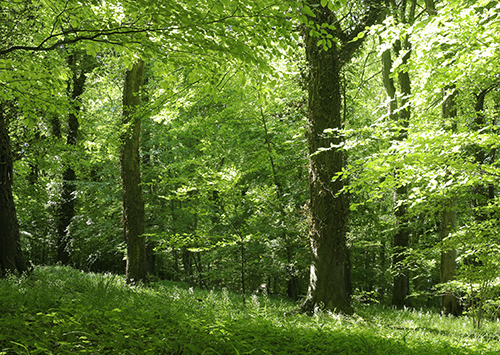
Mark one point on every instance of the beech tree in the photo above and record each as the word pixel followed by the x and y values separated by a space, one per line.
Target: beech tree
pixel 330 282
pixel 189 29
pixel 80 65
pixel 133 205
pixel 401 115
pixel 220 31
pixel 11 257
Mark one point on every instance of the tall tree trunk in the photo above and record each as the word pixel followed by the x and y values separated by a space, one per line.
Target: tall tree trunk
pixel 67 206
pixel 401 240
pixel 330 265
pixel 11 257
pixel 146 166
pixel 133 204
pixel 402 236
pixel 449 302
pixel 330 272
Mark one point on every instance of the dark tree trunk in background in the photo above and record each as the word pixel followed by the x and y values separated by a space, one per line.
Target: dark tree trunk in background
pixel 401 289
pixel 79 64
pixel 187 263
pixel 481 193
pixel 402 116
pixel 402 236
pixel 133 204
pixel 330 272
pixel 388 81
pixel 11 257
pixel 175 256
pixel 449 302
pixel 448 266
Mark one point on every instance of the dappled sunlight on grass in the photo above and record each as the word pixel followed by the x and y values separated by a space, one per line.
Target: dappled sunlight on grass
pixel 61 310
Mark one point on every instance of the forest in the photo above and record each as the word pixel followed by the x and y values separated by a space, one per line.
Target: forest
pixel 236 177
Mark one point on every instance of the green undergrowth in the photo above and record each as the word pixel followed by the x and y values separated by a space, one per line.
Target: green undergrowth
pixel 59 310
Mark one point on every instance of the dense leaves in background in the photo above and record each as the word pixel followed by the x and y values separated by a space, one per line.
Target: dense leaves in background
pixel 212 178
pixel 228 140
pixel 445 156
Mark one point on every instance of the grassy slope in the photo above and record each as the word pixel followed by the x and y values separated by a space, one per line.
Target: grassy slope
pixel 60 310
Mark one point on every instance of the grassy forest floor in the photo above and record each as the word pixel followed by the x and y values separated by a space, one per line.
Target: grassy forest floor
pixel 59 310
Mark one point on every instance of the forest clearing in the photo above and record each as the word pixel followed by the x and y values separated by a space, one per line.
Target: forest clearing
pixel 338 156
pixel 59 310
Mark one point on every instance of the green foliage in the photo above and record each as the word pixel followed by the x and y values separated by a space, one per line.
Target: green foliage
pixel 215 71
pixel 61 310
pixel 211 185
pixel 442 158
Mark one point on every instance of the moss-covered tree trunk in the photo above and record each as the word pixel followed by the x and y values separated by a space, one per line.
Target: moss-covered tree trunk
pixel 401 240
pixel 133 204
pixel 330 271
pixel 329 282
pixel 11 257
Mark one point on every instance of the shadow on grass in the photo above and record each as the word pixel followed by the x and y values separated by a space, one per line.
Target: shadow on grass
pixel 64 311
pixel 261 337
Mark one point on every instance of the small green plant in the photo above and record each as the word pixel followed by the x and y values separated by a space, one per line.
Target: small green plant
pixel 60 310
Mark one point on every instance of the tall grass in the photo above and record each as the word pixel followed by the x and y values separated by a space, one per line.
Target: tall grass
pixel 59 310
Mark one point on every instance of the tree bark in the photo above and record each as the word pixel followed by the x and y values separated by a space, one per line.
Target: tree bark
pixel 390 88
pixel 481 193
pixel 67 205
pixel 401 239
pixel 133 204
pixel 330 271
pixel 11 257
pixel 449 302
pixel 402 236
pixel 329 283
pixel 401 287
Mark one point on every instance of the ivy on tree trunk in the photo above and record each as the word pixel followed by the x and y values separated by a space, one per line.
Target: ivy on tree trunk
pixel 330 271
